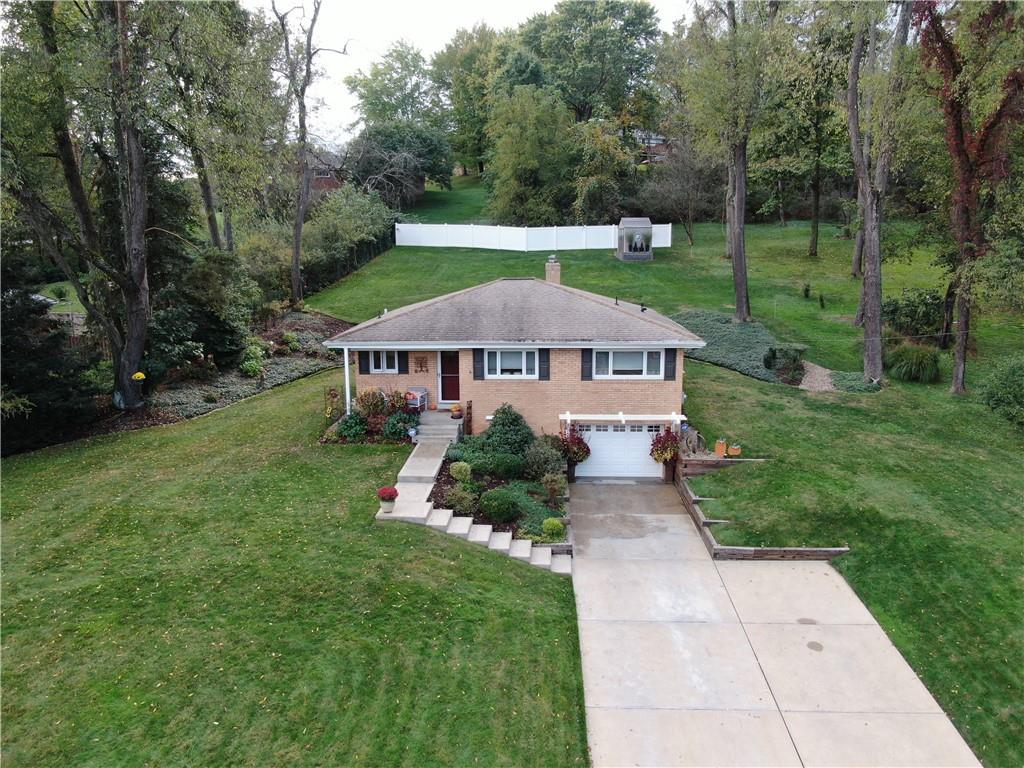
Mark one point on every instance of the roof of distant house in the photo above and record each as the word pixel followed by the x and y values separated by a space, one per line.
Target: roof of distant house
pixel 519 311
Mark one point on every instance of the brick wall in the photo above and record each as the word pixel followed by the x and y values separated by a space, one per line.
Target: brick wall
pixel 540 402
pixel 402 381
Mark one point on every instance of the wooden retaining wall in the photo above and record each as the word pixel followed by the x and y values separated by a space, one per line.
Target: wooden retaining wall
pixel 693 467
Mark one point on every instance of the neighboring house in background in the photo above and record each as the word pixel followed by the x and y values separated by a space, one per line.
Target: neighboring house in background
pixel 328 172
pixel 654 146
pixel 558 355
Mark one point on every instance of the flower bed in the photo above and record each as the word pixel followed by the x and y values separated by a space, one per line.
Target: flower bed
pixel 377 417
pixel 507 478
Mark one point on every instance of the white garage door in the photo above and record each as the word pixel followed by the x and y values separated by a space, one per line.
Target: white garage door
pixel 619 450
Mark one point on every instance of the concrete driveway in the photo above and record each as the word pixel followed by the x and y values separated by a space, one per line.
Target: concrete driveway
pixel 689 661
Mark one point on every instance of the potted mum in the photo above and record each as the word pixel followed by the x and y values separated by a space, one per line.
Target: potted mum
pixel 665 451
pixel 575 450
pixel 387 496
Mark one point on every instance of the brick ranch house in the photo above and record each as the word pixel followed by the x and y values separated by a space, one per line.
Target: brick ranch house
pixel 557 354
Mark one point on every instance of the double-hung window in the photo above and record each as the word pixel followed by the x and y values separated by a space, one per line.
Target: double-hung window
pixel 628 364
pixel 383 361
pixel 511 364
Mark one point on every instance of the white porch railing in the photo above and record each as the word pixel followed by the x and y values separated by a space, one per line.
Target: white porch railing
pixel 500 238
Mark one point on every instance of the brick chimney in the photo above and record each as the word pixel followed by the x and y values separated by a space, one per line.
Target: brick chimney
pixel 553 270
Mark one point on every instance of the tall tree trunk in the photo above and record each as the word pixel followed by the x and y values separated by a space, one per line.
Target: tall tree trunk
pixel 782 208
pixel 963 330
pixel 857 266
pixel 206 191
pixel 229 231
pixel 812 247
pixel 132 189
pixel 730 191
pixel 871 296
pixel 480 166
pixel 948 304
pixel 736 231
pixel 305 179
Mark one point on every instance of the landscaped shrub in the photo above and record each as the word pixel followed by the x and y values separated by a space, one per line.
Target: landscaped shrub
pixel 461 471
pixel 551 441
pixel 251 368
pixel 915 312
pixel 352 427
pixel 1003 390
pixel 852 381
pixel 556 485
pixel 553 529
pixel 291 341
pixel 501 505
pixel 665 446
pixel 505 466
pixel 574 447
pixel 540 460
pixel 913 362
pixel 252 358
pixel 371 402
pixel 533 510
pixel 509 432
pixel 461 500
pixel 787 361
pixel 375 423
pixel 398 425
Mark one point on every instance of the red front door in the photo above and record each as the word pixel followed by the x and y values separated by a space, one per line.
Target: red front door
pixel 450 376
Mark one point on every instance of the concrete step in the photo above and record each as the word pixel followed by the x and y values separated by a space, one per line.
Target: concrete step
pixel 561 564
pixel 439 519
pixel 408 512
pixel 500 541
pixel 520 549
pixel 438 429
pixel 413 491
pixel 459 526
pixel 480 534
pixel 541 557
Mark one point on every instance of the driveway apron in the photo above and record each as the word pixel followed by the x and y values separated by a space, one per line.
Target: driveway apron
pixel 689 661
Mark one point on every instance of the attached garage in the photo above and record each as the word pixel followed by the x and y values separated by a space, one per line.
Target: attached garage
pixel 619 450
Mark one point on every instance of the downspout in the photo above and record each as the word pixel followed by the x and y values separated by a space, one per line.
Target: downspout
pixel 348 390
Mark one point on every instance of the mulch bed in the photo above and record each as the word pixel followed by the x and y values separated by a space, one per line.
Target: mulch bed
pixel 444 482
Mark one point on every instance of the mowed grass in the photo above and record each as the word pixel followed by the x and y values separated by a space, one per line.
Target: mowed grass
pixel 463 203
pixel 70 304
pixel 217 593
pixel 925 488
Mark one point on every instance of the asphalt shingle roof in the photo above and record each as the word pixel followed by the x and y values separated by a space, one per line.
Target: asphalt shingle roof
pixel 519 310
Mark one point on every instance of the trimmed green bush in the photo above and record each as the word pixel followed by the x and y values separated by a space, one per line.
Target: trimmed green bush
pixel 398 425
pixel 913 362
pixel 541 460
pixel 352 427
pixel 1003 390
pixel 553 529
pixel 556 485
pixel 509 432
pixel 915 312
pixel 462 500
pixel 251 368
pixel 461 471
pixel 501 505
pixel 505 466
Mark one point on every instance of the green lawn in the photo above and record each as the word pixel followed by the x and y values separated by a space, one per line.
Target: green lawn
pixel 69 304
pixel 463 203
pixel 217 593
pixel 927 489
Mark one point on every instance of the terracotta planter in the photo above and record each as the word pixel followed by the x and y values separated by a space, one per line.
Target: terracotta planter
pixel 387 507
pixel 735 450
pixel 720 447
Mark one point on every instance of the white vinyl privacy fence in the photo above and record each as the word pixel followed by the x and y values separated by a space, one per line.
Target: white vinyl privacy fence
pixel 519 238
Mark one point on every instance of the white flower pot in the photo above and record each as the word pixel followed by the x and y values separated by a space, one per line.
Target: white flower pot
pixel 387 506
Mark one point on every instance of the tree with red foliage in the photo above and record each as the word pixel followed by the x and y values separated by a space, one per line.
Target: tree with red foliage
pixel 958 49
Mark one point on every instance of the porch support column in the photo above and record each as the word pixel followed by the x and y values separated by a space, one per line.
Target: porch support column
pixel 348 390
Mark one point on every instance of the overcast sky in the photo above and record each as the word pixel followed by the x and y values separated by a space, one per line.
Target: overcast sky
pixel 371 27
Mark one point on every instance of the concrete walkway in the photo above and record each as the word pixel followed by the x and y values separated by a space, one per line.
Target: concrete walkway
pixel 691 662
